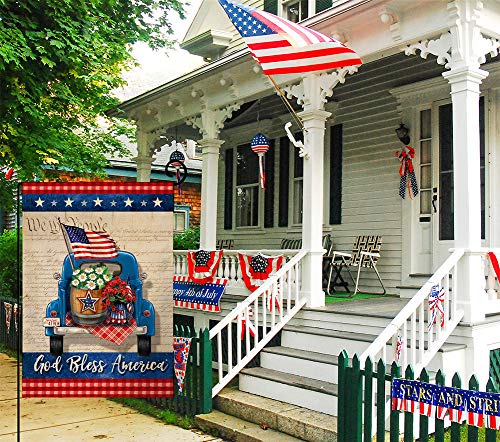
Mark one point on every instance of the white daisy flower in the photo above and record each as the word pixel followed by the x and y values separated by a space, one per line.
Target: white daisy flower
pixel 99 270
pixel 93 276
pixel 89 270
pixel 107 278
pixel 100 282
pixel 91 285
pixel 76 272
pixel 74 282
pixel 82 277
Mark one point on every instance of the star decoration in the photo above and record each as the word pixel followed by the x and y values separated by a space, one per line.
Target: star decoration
pixel 69 202
pixel 84 203
pixel 54 203
pixel 88 302
pixel 157 202
pixel 128 202
pixel 39 202
pixel 113 203
pixel 97 202
pixel 202 257
pixel 259 264
pixel 143 203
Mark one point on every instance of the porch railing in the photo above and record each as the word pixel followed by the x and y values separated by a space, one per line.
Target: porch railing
pixel 420 339
pixel 272 305
pixel 491 282
pixel 229 266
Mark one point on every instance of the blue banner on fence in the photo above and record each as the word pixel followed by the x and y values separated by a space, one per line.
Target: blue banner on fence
pixel 193 295
pixel 477 407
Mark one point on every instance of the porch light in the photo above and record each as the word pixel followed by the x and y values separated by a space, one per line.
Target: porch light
pixel 402 133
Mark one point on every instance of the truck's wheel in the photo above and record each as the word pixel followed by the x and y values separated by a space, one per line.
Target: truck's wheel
pixel 56 345
pixel 143 345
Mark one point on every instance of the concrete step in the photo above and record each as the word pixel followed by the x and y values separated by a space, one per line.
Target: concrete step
pixel 296 421
pixel 302 391
pixel 235 429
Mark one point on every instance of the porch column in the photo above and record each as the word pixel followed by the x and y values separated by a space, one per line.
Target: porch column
pixel 144 157
pixel 465 92
pixel 312 214
pixel 209 180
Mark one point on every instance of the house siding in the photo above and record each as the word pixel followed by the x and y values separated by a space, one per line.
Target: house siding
pixel 370 181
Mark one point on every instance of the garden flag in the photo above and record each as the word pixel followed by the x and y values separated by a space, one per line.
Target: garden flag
pixel 182 346
pixel 436 305
pixel 87 244
pixel 283 47
pixel 258 268
pixel 203 264
pixel 8 314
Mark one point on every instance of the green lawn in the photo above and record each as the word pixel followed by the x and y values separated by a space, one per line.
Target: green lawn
pixel 343 297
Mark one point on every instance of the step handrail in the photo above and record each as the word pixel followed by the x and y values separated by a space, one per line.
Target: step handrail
pixel 281 291
pixel 421 356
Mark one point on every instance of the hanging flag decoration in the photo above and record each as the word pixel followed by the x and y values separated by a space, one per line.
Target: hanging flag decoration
pixel 399 347
pixel 258 268
pixel 8 314
pixel 407 173
pixel 436 306
pixel 260 145
pixel 283 47
pixel 494 263
pixel 203 264
pixel 247 315
pixel 8 172
pixel 182 346
pixel 87 244
pixel 17 312
pixel 177 160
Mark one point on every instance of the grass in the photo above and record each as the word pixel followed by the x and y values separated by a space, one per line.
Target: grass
pixel 463 434
pixel 9 352
pixel 166 416
pixel 343 297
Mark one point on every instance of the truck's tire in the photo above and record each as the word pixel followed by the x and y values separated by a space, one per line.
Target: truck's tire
pixel 56 345
pixel 143 345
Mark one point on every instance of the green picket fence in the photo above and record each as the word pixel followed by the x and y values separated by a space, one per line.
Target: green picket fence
pixel 8 338
pixel 196 396
pixel 362 396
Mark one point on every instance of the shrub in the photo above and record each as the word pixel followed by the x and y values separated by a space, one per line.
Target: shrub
pixel 8 263
pixel 187 240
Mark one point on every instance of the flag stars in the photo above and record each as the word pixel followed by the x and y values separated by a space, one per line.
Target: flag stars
pixel 84 203
pixel 53 203
pixel 97 202
pixel 143 203
pixel 39 202
pixel 113 203
pixel 157 202
pixel 69 202
pixel 128 202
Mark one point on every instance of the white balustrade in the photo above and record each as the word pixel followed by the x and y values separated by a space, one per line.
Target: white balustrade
pixel 421 337
pixel 271 306
pixel 491 282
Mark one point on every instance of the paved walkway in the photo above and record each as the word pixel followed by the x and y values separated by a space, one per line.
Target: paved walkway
pixel 75 420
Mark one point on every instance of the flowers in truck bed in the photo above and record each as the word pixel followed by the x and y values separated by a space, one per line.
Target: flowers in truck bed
pixel 92 278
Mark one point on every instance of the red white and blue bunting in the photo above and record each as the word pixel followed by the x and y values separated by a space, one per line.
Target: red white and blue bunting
pixel 251 326
pixel 478 408
pixel 8 315
pixel 203 264
pixel 17 312
pixel 407 172
pixel 192 295
pixel 256 269
pixel 182 346
pixel 399 347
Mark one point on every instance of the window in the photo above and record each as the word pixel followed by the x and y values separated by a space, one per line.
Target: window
pixel 295 11
pixel 336 141
pixel 298 184
pixel 181 218
pixel 247 187
pixel 424 144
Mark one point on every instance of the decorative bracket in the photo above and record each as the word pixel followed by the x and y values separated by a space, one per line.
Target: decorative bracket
pixel 211 121
pixel 228 83
pixel 441 48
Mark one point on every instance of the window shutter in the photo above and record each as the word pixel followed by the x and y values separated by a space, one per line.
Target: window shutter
pixel 271 6
pixel 284 181
pixel 321 5
pixel 269 192
pixel 336 174
pixel 228 190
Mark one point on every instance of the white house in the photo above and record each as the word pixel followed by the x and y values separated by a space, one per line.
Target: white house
pixel 431 65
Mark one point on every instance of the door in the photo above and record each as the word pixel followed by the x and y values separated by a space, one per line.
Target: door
pixel 441 192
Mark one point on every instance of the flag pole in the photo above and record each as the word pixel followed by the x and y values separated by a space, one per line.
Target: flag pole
pixel 68 246
pixel 287 103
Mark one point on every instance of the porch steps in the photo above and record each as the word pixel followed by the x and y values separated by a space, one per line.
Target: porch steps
pixel 235 429
pixel 295 421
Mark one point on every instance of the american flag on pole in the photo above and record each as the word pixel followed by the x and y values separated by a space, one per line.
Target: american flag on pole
pixel 283 47
pixel 87 244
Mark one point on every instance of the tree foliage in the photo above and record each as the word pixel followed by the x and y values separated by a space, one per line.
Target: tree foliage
pixel 59 62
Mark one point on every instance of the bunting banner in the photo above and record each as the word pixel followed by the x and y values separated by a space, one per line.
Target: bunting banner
pixel 17 312
pixel 494 264
pixel 251 326
pixel 399 347
pixel 256 269
pixel 436 306
pixel 477 408
pixel 192 295
pixel 203 264
pixel 182 346
pixel 8 314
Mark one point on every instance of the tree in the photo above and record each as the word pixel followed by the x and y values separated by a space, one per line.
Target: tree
pixel 59 62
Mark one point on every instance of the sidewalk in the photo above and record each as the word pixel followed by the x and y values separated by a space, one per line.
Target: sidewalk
pixel 79 419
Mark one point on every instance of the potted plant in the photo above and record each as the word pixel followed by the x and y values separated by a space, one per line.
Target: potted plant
pixel 119 299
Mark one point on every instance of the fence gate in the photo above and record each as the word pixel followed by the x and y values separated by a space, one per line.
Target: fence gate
pixel 364 407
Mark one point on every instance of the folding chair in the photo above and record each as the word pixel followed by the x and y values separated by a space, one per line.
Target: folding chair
pixel 225 244
pixel 365 253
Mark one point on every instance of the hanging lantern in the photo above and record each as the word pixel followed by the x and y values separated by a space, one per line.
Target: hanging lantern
pixel 177 159
pixel 260 145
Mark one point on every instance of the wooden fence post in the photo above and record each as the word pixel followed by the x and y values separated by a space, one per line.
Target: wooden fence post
pixel 423 435
pixel 206 371
pixel 394 417
pixel 381 400
pixel 455 426
pixel 368 402
pixel 439 434
pixel 341 398
pixel 408 431
pixel 473 432
pixel 491 434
